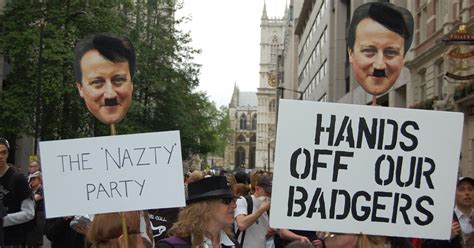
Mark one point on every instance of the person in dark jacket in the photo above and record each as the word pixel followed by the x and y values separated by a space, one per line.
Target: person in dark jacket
pixel 206 220
pixel 161 221
pixel 61 235
pixel 34 236
pixel 462 217
pixel 3 213
pixel 16 198
pixel 455 240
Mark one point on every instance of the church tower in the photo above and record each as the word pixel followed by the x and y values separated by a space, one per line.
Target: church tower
pixel 271 46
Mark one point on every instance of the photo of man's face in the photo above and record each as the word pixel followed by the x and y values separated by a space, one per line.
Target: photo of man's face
pixel 377 56
pixel 106 87
pixel 378 39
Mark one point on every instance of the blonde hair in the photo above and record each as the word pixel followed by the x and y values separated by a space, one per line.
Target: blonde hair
pixel 232 182
pixel 370 241
pixel 193 221
pixel 195 176
pixel 105 229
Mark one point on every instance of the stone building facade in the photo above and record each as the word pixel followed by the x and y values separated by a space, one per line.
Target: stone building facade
pixel 315 64
pixel 429 88
pixel 241 150
pixel 271 45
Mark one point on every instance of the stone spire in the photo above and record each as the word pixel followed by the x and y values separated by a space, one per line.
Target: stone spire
pixel 264 14
pixel 235 96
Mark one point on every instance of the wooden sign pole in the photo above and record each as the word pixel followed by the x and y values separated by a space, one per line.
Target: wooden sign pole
pixel 113 131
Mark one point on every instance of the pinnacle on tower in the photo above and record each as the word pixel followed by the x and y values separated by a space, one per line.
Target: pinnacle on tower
pixel 264 14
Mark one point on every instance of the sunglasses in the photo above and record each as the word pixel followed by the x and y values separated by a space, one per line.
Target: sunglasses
pixel 228 201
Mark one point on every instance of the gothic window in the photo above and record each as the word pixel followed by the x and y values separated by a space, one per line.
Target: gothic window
pixel 252 158
pixel 253 139
pixel 274 47
pixel 254 122
pixel 243 122
pixel 240 156
pixel 271 107
pixel 275 39
pixel 241 138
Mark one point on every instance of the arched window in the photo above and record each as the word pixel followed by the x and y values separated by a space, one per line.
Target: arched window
pixel 271 107
pixel 252 158
pixel 254 122
pixel 240 156
pixel 274 46
pixel 243 122
pixel 253 139
pixel 241 138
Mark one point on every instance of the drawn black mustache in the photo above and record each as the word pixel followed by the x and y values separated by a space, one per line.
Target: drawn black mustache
pixel 379 73
pixel 111 102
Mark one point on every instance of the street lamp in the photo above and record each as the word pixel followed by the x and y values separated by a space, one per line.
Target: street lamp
pixel 267 160
pixel 268 155
pixel 39 69
pixel 283 90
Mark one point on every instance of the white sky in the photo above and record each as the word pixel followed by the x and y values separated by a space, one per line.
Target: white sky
pixel 228 33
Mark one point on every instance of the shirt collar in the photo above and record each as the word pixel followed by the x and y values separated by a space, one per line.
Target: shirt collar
pixel 459 213
pixel 224 240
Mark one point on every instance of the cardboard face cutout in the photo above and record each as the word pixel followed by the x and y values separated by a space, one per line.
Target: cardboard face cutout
pixel 104 67
pixel 380 34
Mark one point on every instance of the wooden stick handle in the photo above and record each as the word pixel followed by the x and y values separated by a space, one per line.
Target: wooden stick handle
pixel 124 229
pixel 113 131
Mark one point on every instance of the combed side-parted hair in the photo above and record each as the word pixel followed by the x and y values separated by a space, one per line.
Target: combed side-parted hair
pixel 112 47
pixel 392 17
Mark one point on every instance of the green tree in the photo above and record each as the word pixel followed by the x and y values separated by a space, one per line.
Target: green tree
pixel 165 83
pixel 223 130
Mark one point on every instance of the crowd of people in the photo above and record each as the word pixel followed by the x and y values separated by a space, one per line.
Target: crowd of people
pixel 226 210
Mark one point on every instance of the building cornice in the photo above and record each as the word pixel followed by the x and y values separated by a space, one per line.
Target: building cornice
pixel 433 46
pixel 437 49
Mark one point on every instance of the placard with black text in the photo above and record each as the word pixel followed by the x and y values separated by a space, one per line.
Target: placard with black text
pixel 364 169
pixel 112 173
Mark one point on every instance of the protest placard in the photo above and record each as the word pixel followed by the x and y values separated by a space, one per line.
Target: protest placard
pixel 361 169
pixel 112 174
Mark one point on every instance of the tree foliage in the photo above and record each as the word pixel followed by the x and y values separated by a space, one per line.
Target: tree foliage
pixel 165 96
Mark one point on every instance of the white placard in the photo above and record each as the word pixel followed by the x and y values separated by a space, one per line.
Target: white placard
pixel 363 169
pixel 112 174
